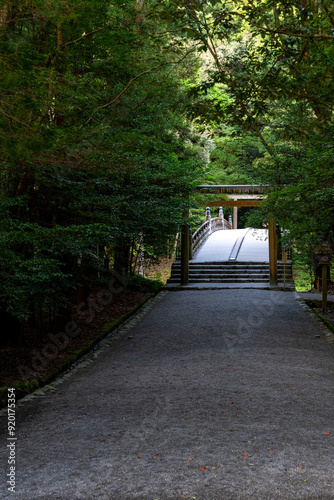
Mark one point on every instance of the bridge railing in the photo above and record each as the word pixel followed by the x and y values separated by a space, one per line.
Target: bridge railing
pixel 208 227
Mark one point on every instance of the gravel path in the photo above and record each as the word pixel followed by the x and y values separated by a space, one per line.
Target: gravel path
pixel 216 394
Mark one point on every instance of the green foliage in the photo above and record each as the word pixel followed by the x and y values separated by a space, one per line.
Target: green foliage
pixel 301 174
pixel 233 156
pixel 142 284
pixel 96 149
pixel 270 74
pixel 109 116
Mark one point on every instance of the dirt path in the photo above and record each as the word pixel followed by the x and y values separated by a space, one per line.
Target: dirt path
pixel 222 394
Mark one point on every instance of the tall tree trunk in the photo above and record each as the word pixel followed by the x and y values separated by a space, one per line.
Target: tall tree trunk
pixel 140 17
pixel 122 255
pixel 4 14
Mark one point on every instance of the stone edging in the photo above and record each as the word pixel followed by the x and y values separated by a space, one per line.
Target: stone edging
pixel 91 356
pixel 329 336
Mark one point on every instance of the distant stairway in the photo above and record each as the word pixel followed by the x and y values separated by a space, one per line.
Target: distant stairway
pixel 230 272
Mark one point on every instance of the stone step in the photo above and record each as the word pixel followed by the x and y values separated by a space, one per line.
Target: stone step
pixel 226 268
pixel 230 267
pixel 230 263
pixel 229 281
pixel 216 280
pixel 222 264
pixel 230 272
pixel 230 276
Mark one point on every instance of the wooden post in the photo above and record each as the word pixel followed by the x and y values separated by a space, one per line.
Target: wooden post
pixel 190 244
pixel 272 252
pixel 185 239
pixel 235 217
pixel 324 288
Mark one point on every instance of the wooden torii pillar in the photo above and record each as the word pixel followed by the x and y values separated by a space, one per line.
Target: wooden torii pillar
pixel 185 246
pixel 235 217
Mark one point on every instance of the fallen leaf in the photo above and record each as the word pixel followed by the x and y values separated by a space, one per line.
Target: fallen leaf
pixel 154 454
pixel 231 430
pixel 214 467
pixel 182 418
pixel 299 467
pixel 202 468
pixel 189 458
pixel 138 457
pixel 327 433
pixel 244 455
pixel 271 448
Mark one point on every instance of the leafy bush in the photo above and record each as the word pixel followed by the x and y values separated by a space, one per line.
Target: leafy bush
pixel 144 284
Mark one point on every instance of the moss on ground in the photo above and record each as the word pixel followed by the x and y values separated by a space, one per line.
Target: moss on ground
pixel 24 388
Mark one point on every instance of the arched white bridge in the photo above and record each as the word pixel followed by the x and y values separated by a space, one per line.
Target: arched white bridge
pixel 234 245
pixel 218 252
pixel 227 258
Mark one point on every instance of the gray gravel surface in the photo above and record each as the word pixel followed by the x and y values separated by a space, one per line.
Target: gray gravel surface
pixel 221 394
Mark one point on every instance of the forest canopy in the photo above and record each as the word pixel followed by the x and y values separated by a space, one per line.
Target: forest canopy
pixel 111 112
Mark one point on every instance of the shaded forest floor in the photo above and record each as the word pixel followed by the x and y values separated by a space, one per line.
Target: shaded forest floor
pixel 42 358
pixel 37 359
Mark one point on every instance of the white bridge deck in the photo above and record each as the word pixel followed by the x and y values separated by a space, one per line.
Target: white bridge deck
pixel 239 245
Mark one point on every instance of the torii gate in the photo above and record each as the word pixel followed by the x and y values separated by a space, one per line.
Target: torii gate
pixel 244 195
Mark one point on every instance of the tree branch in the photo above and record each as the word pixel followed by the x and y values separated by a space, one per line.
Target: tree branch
pixel 133 80
pixel 257 130
pixel 85 35
pixel 16 119
pixel 22 19
pixel 297 35
pixel 282 32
